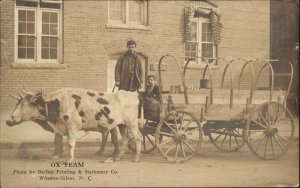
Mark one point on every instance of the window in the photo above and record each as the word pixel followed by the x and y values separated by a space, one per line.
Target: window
pixel 131 12
pixel 38 31
pixel 200 42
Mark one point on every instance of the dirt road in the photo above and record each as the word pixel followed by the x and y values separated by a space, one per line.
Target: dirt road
pixel 209 167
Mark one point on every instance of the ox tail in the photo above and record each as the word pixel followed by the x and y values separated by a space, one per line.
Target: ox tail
pixel 141 112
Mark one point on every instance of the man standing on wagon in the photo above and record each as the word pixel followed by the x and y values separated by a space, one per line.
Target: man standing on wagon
pixel 129 72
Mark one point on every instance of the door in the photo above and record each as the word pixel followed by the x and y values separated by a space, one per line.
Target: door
pixel 111 71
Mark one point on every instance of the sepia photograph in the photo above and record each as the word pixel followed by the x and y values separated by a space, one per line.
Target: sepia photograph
pixel 149 93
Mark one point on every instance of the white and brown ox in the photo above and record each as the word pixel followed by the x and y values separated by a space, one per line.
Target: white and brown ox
pixel 68 111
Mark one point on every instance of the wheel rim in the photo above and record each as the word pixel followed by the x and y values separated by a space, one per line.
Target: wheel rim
pixel 181 134
pixel 227 139
pixel 270 131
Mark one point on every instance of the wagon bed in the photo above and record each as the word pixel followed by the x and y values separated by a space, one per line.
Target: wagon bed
pixel 220 109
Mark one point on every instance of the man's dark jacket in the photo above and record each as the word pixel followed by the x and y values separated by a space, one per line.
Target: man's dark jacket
pixel 129 72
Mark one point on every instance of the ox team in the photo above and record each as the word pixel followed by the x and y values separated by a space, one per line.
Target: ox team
pixel 67 111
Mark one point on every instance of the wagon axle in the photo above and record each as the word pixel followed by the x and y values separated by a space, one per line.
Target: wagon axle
pixel 271 131
pixel 180 136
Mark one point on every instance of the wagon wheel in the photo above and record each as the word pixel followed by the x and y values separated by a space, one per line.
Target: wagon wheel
pixel 148 141
pixel 227 139
pixel 270 130
pixel 182 134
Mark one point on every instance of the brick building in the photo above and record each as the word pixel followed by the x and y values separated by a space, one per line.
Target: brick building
pixel 53 44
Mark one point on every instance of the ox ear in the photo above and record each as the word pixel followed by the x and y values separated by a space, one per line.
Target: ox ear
pixel 37 99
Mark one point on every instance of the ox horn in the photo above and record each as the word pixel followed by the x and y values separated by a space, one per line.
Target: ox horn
pixel 43 91
pixel 27 93
pixel 21 96
pixel 26 89
pixel 15 97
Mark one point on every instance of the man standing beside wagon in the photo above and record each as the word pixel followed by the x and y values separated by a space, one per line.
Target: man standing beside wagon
pixel 129 71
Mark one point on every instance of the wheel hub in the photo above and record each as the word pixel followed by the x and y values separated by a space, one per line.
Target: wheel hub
pixel 271 131
pixel 179 137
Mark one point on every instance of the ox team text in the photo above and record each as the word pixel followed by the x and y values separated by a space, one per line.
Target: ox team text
pixel 67 164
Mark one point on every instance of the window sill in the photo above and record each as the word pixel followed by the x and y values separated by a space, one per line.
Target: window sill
pixel 194 65
pixel 127 26
pixel 39 66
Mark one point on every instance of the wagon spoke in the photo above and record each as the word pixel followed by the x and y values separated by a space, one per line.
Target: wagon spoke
pixel 169 127
pixel 166 142
pixel 260 143
pixel 278 143
pixel 185 127
pixel 219 136
pixel 144 141
pixel 195 129
pixel 169 149
pixel 275 114
pixel 189 145
pixel 181 121
pixel 279 117
pixel 282 138
pixel 166 134
pixel 265 154
pixel 175 121
pixel 230 140
pixel 259 124
pixel 263 117
pixel 193 139
pixel 150 140
pixel 272 145
pixel 236 141
pixel 262 133
pixel 282 124
pixel 183 152
pixel 176 151
pixel 268 114
pixel 256 130
pixel 224 139
pixel 234 130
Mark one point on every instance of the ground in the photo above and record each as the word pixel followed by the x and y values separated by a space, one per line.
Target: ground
pixel 208 168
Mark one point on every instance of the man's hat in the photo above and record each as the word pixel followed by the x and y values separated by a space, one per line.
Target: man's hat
pixel 151 76
pixel 131 42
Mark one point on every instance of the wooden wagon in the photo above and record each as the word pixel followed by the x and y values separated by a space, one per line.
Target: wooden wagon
pixel 231 117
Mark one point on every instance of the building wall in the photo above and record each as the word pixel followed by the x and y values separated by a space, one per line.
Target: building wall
pixel 89 44
pixel 285 45
pixel 246 35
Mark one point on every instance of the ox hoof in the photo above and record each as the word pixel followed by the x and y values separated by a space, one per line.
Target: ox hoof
pixel 136 160
pixel 109 160
pixel 115 154
pixel 70 160
pixel 117 158
pixel 98 153
pixel 55 157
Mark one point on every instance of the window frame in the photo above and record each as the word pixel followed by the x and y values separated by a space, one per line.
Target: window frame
pixel 199 21
pixel 38 35
pixel 125 14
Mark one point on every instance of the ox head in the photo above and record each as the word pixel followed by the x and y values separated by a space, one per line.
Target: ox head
pixel 28 107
